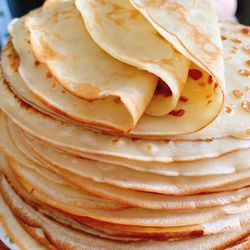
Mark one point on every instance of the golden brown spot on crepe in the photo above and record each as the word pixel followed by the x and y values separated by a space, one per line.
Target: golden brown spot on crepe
pixel 211 50
pixel 210 139
pixel 236 40
pixel 228 109
pixel 208 102
pixel 117 100
pixel 115 140
pixel 119 21
pixel 237 93
pixel 135 139
pixel 48 52
pixel 88 91
pixel 36 63
pixel 246 106
pixel 158 3
pixel 202 84
pixel 234 49
pixel 195 74
pixel 245 31
pixel 134 14
pixel 248 62
pixel 215 86
pixel 210 79
pixel 244 72
pixel 117 8
pixel 53 81
pixel 183 99
pixel 247 48
pixel 158 35
pixel 48 75
pixel 205 44
pixel 13 57
pixel 127 14
pixel 162 89
pixel 98 19
pixel 223 38
pixel 208 96
pixel 63 14
pixel 164 62
pixel 178 113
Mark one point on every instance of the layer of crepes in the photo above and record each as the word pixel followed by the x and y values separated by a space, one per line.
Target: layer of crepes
pixel 39 182
pixel 215 219
pixel 52 233
pixel 126 34
pixel 101 179
pixel 124 92
pixel 82 174
pixel 105 166
pixel 80 140
pixel 211 226
pixel 23 189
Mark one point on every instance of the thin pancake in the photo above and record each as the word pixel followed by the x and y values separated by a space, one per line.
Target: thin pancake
pixel 109 22
pixel 194 35
pixel 125 34
pixel 234 120
pixel 122 117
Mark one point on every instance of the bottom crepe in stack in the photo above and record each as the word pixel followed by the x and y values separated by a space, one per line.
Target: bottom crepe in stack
pixel 65 185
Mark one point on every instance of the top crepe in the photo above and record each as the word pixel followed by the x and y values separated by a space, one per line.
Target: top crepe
pixel 66 52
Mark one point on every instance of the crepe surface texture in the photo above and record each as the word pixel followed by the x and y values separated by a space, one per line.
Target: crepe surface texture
pixel 125 125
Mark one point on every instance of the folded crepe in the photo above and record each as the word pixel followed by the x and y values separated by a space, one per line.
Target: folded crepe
pixel 125 125
pixel 48 38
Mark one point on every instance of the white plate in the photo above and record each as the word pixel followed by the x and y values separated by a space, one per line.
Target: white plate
pixel 6 240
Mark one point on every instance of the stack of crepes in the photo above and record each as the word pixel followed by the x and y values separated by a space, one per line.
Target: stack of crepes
pixel 125 125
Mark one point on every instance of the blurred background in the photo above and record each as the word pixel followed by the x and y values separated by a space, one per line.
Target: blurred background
pixel 227 10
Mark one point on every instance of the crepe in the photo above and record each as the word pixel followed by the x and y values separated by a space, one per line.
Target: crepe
pixel 76 108
pixel 158 123
pixel 162 59
pixel 235 42
pixel 108 21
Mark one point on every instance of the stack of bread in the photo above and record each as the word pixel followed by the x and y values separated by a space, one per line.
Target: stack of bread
pixel 125 125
